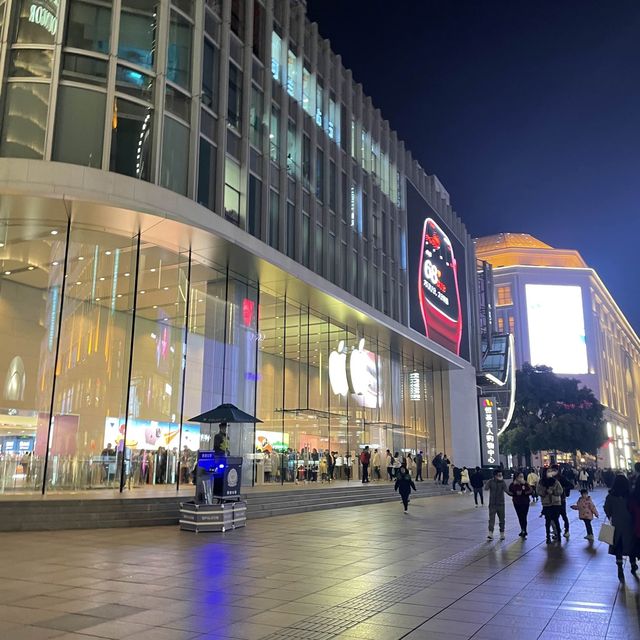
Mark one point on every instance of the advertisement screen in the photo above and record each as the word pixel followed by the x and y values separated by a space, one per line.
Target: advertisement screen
pixel 556 327
pixel 436 264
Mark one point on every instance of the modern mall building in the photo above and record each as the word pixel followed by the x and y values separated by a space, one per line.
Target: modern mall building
pixel 199 205
pixel 563 316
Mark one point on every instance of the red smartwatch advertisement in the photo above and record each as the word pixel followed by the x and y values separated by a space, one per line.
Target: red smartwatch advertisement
pixel 436 262
pixel 438 289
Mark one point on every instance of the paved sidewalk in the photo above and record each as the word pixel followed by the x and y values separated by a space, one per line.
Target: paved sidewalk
pixel 364 572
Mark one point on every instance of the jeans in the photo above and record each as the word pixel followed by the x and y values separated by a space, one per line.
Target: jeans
pixel 454 483
pixel 405 500
pixel 476 493
pixel 552 518
pixel 563 515
pixel 588 527
pixel 365 472
pixel 419 472
pixel 522 510
pixel 499 511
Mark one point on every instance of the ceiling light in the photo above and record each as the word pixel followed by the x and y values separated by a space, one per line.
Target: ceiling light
pixel 30 267
pixel 1 245
pixel 153 270
pixel 126 275
pixel 107 253
pixel 102 278
pixel 166 288
pixel 78 283
pixel 155 306
pixel 97 299
pixel 143 291
pixel 119 295
pixel 81 258
pixel 7 273
pixel 55 263
pixel 54 232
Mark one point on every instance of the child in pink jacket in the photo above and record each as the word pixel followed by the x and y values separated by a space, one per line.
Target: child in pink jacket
pixel 586 510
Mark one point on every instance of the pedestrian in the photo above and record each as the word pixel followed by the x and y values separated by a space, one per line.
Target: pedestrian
pixel 586 511
pixel 389 463
pixel 532 481
pixel 550 491
pixel 566 480
pixel 419 463
pixel 520 489
pixel 397 463
pixel 376 465
pixel 634 476
pixel 437 465
pixel 477 482
pixel 497 488
pixel 583 478
pixel 403 486
pixel 365 459
pixel 616 507
pixel 444 465
pixel 457 478
pixel 464 480
pixel 634 509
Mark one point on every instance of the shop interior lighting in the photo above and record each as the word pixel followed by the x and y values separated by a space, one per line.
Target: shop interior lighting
pixel 54 232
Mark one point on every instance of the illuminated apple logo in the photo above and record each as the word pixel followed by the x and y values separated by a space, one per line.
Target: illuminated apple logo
pixel 338 370
pixel 363 376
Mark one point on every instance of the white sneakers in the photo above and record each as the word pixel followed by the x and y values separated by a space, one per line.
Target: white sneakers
pixel 490 535
pixel 502 536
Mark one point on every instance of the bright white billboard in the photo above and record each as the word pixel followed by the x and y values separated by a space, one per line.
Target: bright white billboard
pixel 556 328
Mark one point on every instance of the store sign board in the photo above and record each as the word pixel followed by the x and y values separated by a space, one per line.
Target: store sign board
pixel 489 432
pixel 414 386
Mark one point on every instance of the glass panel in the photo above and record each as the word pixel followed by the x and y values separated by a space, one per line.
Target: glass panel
pixel 274 134
pixel 178 103
pixel 84 69
pixel 186 6
pixel 37 23
pixel 89 26
pixel 30 63
pixel 232 191
pixel 258 31
pixel 88 446
pixel 79 110
pixel 255 202
pixel 237 18
pixel 134 83
pixel 292 74
pixel 255 117
pixel 179 54
pixel 276 55
pixel 137 42
pixel 25 120
pixel 153 431
pixel 210 76
pixel 31 259
pixel 175 149
pixel 207 174
pixel 234 111
pixel 131 139
pixel 274 219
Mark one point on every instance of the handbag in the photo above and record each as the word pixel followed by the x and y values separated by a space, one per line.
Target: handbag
pixel 607 533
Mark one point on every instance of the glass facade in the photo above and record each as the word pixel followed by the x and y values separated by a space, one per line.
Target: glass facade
pixel 113 343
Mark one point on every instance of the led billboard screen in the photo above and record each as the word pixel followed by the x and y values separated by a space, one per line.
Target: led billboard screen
pixel 556 327
pixel 437 277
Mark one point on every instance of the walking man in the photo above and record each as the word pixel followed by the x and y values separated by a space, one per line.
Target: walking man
pixel 403 485
pixel 444 465
pixel 365 459
pixel 477 483
pixel 497 489
pixel 437 465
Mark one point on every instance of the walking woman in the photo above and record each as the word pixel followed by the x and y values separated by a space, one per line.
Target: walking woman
pixel 551 492
pixel 521 492
pixel 616 506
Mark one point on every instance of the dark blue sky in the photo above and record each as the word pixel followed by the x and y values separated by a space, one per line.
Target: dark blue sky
pixel 528 112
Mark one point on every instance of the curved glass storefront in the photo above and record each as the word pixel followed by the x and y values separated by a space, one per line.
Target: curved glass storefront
pixel 111 342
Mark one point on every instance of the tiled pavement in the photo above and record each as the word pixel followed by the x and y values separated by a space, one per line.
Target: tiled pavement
pixel 363 572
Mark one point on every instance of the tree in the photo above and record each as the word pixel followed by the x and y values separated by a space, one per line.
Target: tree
pixel 552 413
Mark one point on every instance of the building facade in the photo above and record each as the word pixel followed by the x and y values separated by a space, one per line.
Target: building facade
pixel 199 205
pixel 563 316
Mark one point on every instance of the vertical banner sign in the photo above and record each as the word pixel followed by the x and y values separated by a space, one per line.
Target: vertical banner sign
pixel 489 432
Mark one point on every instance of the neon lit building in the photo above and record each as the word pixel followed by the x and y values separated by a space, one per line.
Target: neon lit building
pixel 563 316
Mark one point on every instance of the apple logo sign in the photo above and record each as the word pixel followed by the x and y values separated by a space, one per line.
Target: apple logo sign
pixel 355 373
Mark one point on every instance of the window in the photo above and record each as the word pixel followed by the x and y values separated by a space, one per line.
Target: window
pixel 255 118
pixel 305 239
pixel 292 74
pixel 37 23
pixel 131 139
pixel 179 53
pixel 237 18
pixel 210 76
pixel 291 230
pixel 319 245
pixel 306 161
pixel 232 191
pixel 175 148
pixel 255 206
pixel 274 218
pixel 500 325
pixel 31 63
pixel 25 118
pixel 136 84
pixel 258 31
pixel 320 174
pixel 88 26
pixel 332 185
pixel 353 139
pixel 207 174
pixel 308 92
pixel 84 69
pixel 234 109
pixel 292 149
pixel 331 119
pixel 512 324
pixel 276 55
pixel 503 295
pixel 79 110
pixel 319 101
pixel 274 135
pixel 137 41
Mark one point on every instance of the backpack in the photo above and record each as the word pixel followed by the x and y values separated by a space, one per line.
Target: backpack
pixel 364 457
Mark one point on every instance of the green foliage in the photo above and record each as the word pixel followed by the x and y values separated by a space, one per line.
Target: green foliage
pixel 552 413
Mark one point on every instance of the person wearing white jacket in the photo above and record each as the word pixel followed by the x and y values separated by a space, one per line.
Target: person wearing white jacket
pixel 465 480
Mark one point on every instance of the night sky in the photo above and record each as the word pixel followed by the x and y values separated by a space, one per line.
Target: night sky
pixel 528 112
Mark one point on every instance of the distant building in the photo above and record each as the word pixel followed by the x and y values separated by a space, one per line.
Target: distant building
pixel 563 316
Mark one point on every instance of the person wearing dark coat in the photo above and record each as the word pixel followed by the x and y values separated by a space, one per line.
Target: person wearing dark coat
pixel 444 465
pixel 616 507
pixel 403 485
pixel 477 482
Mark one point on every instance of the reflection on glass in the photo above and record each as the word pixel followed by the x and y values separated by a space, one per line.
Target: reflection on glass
pixel 131 139
pixel 88 26
pixel 37 22
pixel 79 110
pixel 175 148
pixel 25 119
pixel 177 103
pixel 137 41
pixel 84 69
pixel 207 174
pixel 31 63
pixel 179 52
pixel 134 83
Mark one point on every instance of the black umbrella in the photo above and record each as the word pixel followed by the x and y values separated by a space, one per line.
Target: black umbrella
pixel 225 413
